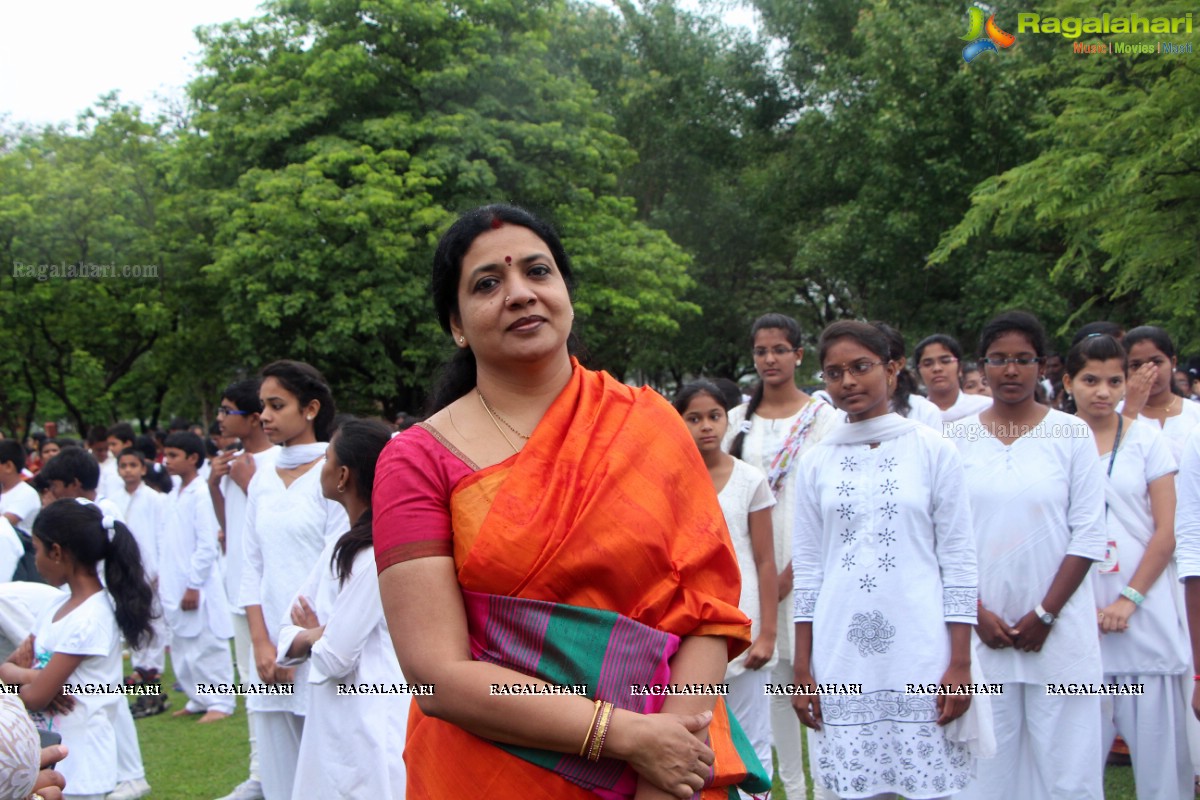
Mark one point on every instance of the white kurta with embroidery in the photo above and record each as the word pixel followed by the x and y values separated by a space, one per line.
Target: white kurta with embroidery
pixel 884 557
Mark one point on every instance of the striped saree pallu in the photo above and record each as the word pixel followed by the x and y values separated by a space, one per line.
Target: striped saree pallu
pixel 609 654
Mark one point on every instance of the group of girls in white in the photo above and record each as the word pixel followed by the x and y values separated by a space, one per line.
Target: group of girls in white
pixel 1049 538
pixel 308 587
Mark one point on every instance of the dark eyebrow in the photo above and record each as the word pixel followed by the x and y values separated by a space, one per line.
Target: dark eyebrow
pixel 494 267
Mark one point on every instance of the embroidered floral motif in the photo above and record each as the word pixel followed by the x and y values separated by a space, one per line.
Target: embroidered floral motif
pixel 886 562
pixel 888 536
pixel 867 583
pixel 805 602
pixel 887 464
pixel 871 633
pixel 848 560
pixel 845 511
pixel 847 536
pixel 849 463
pixel 888 510
pixel 889 486
pixel 959 601
pixel 844 488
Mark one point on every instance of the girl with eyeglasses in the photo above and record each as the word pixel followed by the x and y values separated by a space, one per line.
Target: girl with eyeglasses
pixel 939 360
pixel 1037 497
pixel 1142 634
pixel 885 589
pixel 771 432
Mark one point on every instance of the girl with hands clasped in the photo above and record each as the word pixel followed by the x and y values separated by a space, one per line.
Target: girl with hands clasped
pixel 746 502
pixel 1143 639
pixel 1037 497
pixel 884 561
pixel 77 640
pixel 336 623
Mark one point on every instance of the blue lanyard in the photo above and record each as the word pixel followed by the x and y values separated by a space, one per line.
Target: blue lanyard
pixel 1112 457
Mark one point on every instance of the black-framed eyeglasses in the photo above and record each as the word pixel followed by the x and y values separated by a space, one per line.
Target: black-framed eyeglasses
pixel 945 361
pixel 222 411
pixel 833 374
pixel 779 351
pixel 1020 361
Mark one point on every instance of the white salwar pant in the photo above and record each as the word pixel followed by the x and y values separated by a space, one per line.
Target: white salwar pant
pixel 785 730
pixel 152 655
pixel 279 734
pixel 203 659
pixel 1046 748
pixel 129 752
pixel 1153 727
pixel 243 658
pixel 749 703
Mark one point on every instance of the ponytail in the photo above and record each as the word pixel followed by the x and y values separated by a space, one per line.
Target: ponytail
pixel 81 529
pixel 735 447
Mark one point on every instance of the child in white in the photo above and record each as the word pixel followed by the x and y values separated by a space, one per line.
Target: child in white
pixel 190 587
pixel 144 511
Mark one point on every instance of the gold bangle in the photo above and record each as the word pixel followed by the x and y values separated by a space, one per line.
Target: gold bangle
pixel 587 740
pixel 601 732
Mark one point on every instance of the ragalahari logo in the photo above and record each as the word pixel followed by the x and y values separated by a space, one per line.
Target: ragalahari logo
pixel 984 36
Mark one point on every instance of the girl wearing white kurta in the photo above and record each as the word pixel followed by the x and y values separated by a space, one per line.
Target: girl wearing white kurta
pixel 939 360
pixel 77 639
pixel 771 432
pixel 1175 416
pixel 1187 549
pixel 337 624
pixel 885 593
pixel 288 522
pixel 746 502
pixel 1143 640
pixel 1037 497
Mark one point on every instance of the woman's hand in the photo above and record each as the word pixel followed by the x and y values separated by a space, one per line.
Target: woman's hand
pixel 760 651
pixel 49 783
pixel 23 655
pixel 785 582
pixel 807 706
pixel 303 616
pixel 1196 701
pixel 667 755
pixel 951 707
pixel 1137 388
pixel 264 661
pixel 993 631
pixel 1029 634
pixel 1114 618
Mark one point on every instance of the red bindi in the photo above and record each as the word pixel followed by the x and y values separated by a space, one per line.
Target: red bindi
pixel 508 259
pixel 496 224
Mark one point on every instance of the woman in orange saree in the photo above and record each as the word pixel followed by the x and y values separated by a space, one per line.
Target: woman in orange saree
pixel 589 553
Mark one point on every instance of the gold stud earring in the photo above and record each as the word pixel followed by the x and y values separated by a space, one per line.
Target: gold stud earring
pixel 507 299
pixel 462 340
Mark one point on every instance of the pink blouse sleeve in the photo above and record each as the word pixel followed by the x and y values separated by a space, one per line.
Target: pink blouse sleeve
pixel 411 500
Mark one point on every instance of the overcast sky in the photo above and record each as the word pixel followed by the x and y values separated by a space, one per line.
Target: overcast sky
pixel 54 64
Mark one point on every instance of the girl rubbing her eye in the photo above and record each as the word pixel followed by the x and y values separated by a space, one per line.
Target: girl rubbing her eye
pixel 778 425
pixel 1142 634
pixel 885 595
pixel 746 502
pixel 1152 351
pixel 1036 491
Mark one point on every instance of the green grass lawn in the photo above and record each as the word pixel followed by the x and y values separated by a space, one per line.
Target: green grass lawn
pixel 188 761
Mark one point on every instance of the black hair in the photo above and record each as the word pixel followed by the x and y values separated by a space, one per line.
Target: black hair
pixel 307 383
pixel 791 332
pixel 866 335
pixel 1094 347
pixel 732 392
pixel 78 528
pixel 12 451
pixel 906 384
pixel 1021 322
pixel 457 376
pixel 244 395
pixel 42 444
pixel 357 445
pixel 689 391
pixel 73 464
pixel 97 434
pixel 189 443
pixel 1160 339
pixel 945 340
pixel 67 442
pixel 178 424
pixel 122 432
pixel 132 451
pixel 1099 327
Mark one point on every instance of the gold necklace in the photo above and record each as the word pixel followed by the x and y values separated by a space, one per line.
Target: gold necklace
pixel 494 416
pixel 1167 408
